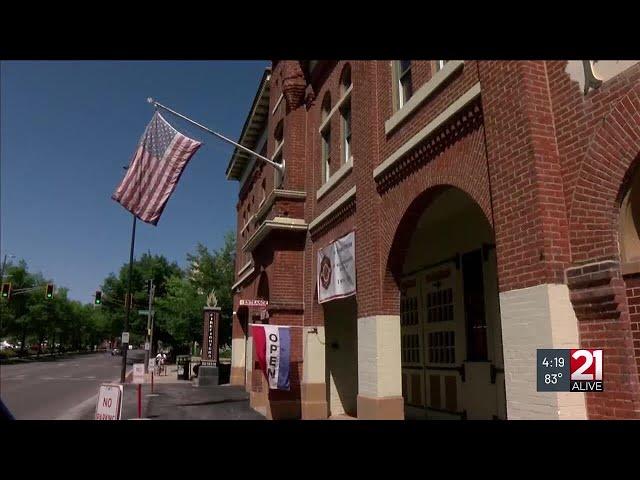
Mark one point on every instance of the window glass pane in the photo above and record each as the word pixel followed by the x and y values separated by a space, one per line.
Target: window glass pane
pixel 404 66
pixel 326 142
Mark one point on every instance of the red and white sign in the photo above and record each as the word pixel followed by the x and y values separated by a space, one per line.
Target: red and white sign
pixel 138 373
pixel 586 365
pixel 109 405
pixel 336 269
pixel 254 303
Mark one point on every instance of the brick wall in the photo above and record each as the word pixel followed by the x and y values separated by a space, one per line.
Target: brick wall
pixel 632 283
pixel 545 163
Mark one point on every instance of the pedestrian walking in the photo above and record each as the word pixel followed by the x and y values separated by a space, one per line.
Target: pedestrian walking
pixel 159 363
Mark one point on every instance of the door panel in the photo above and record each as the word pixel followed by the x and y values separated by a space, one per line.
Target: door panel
pixel 441 336
pixel 411 344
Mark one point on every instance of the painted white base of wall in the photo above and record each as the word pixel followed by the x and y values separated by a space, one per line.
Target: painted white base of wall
pixel 238 352
pixel 532 318
pixel 248 364
pixel 313 366
pixel 379 366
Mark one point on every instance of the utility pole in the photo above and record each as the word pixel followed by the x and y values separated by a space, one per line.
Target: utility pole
pixel 4 263
pixel 125 346
pixel 152 289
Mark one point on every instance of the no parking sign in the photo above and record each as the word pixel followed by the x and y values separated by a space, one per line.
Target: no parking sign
pixel 109 405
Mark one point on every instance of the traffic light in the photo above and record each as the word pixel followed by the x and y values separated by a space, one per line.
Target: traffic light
pixel 49 295
pixel 6 290
pixel 98 297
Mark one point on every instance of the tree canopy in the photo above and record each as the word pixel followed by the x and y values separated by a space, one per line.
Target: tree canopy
pixel 180 296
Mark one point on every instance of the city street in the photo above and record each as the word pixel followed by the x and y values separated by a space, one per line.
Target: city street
pixel 58 389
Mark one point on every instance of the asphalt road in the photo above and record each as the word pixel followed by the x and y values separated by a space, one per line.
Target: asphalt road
pixel 57 390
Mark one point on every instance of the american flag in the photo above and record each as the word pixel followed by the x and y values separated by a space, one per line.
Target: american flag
pixel 154 171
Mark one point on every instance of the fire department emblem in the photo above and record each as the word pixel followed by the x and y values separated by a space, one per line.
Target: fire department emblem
pixel 325 272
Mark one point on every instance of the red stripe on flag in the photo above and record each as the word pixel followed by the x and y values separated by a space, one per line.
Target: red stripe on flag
pixel 260 345
pixel 154 170
pixel 162 181
pixel 152 214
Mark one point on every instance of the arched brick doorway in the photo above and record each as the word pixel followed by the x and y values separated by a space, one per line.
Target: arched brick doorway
pixel 443 264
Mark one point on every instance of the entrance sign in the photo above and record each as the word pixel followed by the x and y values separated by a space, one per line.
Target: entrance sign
pixel 254 303
pixel 125 337
pixel 337 269
pixel 138 373
pixel 109 406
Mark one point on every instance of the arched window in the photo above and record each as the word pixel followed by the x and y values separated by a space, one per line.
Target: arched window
pixel 326 139
pixel 630 222
pixel 345 113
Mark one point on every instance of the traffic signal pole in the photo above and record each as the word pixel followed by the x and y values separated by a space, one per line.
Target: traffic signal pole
pixel 125 346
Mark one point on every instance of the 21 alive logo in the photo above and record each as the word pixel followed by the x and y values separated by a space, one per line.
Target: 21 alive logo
pixel 586 370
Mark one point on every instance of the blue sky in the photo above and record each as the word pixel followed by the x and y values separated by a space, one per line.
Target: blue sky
pixel 66 131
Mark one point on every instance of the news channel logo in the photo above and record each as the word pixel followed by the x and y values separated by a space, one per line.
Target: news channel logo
pixel 569 370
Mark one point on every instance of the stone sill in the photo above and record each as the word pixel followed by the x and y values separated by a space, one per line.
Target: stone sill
pixel 422 94
pixel 266 205
pixel 630 268
pixel 429 129
pixel 278 223
pixel 335 206
pixel 335 179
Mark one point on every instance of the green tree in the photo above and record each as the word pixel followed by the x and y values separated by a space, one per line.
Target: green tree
pixel 216 271
pixel 179 311
pixel 114 289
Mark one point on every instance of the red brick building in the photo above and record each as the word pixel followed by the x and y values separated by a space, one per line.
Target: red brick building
pixel 496 211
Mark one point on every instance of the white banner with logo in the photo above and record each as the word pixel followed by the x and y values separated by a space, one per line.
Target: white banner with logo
pixel 337 269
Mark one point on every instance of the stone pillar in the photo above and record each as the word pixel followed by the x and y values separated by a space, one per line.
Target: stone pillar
pixel 314 388
pixel 532 318
pixel 238 356
pixel 379 368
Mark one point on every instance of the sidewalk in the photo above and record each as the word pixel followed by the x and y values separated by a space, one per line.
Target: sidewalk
pixel 174 399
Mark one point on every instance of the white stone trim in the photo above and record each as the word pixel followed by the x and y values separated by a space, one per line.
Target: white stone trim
pixel 336 107
pixel 276 193
pixel 334 206
pixel 278 150
pixel 245 267
pixel 282 223
pixel 277 103
pixel 537 317
pixel 335 178
pixel 249 220
pixel 451 110
pixel 242 279
pixel 249 167
pixel 422 94
pixel 379 362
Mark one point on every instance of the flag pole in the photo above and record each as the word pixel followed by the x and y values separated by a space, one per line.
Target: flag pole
pixel 128 302
pixel 275 165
